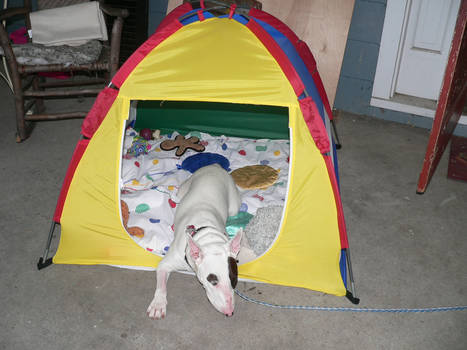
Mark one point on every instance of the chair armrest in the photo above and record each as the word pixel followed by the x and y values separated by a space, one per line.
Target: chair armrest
pixel 13 11
pixel 114 12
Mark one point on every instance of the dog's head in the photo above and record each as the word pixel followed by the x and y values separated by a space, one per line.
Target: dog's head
pixel 215 266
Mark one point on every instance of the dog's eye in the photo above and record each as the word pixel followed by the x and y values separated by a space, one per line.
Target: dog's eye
pixel 212 279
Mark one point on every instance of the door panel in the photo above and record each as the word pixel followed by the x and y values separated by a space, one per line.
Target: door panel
pixel 425 48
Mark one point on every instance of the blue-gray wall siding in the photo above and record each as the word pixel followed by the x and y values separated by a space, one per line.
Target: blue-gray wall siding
pixel 157 12
pixel 359 66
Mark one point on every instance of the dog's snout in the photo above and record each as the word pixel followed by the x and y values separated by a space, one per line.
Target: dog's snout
pixel 229 309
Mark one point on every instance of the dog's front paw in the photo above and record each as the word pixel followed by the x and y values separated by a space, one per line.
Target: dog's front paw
pixel 156 309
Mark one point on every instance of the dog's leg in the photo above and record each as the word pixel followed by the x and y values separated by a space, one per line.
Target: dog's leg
pixel 184 187
pixel 171 262
pixel 157 308
pixel 234 200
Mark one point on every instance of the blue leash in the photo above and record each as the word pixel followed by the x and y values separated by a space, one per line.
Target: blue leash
pixel 350 309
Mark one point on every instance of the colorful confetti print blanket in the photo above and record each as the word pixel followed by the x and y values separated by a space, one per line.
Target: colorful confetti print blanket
pixel 150 181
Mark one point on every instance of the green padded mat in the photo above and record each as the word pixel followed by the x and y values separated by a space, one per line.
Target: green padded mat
pixel 230 119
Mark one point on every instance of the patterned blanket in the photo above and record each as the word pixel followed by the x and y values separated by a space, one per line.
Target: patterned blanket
pixel 150 180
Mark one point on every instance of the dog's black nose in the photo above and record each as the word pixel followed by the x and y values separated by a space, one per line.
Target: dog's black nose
pixel 229 315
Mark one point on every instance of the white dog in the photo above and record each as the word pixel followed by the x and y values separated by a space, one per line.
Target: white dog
pixel 207 198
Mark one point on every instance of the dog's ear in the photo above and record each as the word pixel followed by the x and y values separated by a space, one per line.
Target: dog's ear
pixel 195 251
pixel 233 271
pixel 235 243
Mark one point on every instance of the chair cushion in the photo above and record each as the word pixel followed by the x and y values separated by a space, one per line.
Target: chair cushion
pixel 37 54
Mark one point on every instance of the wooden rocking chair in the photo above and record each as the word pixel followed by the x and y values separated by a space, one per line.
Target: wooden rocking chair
pixel 30 89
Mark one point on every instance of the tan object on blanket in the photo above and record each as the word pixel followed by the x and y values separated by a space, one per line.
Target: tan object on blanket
pixel 134 230
pixel 255 176
pixel 69 25
pixel 182 144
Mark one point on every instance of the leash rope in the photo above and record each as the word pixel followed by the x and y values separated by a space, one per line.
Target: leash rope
pixel 351 309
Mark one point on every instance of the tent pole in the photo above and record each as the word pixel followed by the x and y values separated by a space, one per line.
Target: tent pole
pixel 336 136
pixel 351 295
pixel 43 261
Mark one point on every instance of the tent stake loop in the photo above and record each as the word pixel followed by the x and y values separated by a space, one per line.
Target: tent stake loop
pixel 351 295
pixel 43 261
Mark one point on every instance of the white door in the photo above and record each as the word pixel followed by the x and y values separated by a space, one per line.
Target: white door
pixel 414 49
pixel 425 50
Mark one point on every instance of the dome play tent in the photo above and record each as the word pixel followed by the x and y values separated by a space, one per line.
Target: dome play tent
pixel 246 75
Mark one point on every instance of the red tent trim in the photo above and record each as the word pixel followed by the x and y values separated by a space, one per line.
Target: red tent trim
pixel 279 55
pixel 315 124
pixel 168 26
pixel 105 99
pixel 302 49
pixel 99 110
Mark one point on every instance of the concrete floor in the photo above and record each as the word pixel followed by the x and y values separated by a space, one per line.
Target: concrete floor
pixel 408 251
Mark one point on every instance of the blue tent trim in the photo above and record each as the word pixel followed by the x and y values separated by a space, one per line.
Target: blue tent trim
pixel 343 266
pixel 297 62
pixel 306 78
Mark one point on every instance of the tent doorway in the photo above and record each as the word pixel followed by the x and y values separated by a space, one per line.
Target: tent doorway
pixel 249 141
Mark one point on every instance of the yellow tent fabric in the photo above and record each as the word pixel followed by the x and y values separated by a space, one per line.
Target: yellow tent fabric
pixel 217 60
pixel 185 67
pixel 92 231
